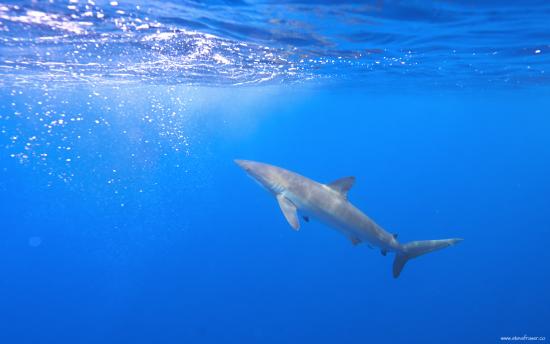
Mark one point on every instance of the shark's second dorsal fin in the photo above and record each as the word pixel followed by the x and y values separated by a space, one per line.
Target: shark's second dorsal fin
pixel 342 185
pixel 289 211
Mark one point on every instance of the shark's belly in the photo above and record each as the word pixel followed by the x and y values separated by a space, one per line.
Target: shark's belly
pixel 351 224
pixel 342 216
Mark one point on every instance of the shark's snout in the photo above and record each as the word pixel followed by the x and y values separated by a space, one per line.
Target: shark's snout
pixel 248 166
pixel 244 164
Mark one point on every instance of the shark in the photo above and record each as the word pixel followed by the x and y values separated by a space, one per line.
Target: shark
pixel 329 203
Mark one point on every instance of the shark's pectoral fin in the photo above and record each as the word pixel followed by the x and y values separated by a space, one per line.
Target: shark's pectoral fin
pixel 355 241
pixel 342 185
pixel 289 211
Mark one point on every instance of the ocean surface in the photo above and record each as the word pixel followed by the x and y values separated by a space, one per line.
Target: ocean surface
pixel 123 218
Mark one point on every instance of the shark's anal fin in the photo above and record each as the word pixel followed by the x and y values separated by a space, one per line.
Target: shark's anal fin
pixel 342 185
pixel 306 218
pixel 355 241
pixel 289 211
pixel 384 252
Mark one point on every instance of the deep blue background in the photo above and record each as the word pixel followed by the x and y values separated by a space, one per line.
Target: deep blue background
pixel 202 254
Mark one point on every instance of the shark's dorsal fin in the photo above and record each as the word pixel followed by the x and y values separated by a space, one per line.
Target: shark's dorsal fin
pixel 342 185
pixel 289 211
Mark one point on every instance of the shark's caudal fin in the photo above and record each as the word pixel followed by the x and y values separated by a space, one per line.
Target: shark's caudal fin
pixel 417 248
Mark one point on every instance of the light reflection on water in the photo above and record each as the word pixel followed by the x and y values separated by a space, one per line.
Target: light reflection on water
pixel 233 43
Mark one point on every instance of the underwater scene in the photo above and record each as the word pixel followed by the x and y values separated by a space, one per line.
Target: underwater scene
pixel 295 171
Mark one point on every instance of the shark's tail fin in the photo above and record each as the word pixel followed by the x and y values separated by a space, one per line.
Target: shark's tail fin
pixel 417 248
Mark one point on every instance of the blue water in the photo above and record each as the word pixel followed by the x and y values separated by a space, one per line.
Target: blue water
pixel 123 218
